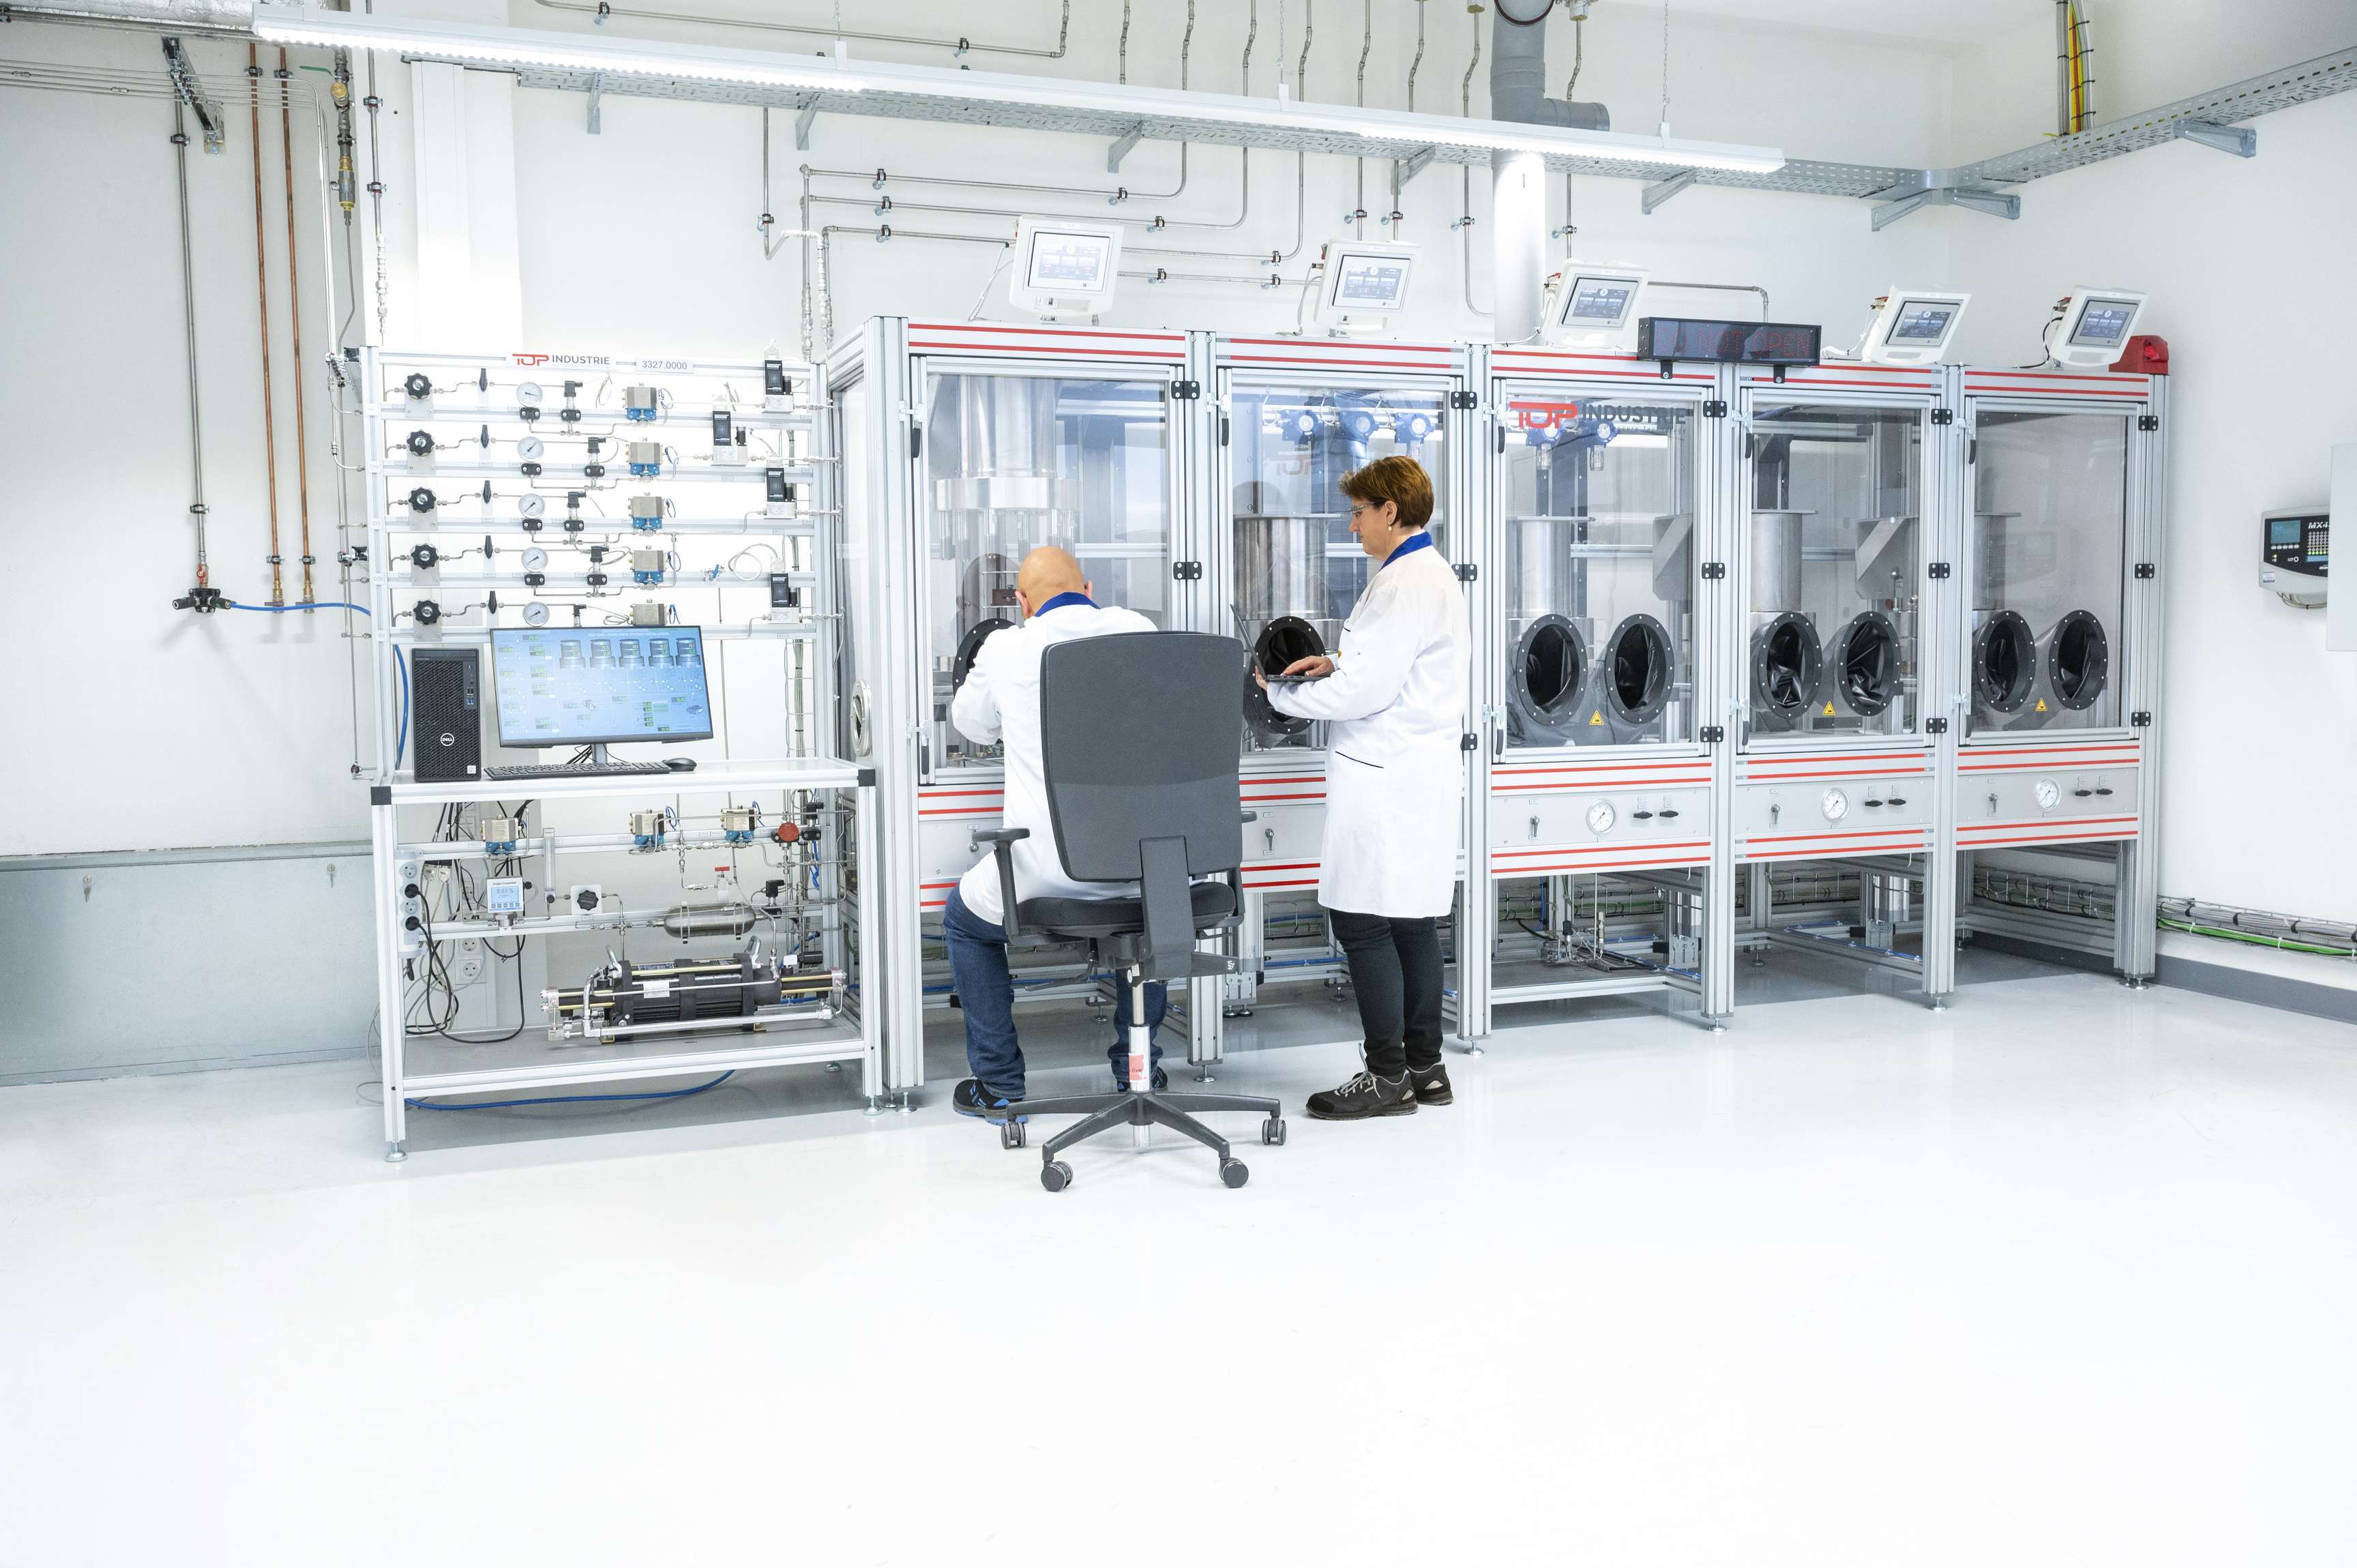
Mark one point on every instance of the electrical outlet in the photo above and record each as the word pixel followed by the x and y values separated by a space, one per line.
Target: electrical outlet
pixel 467 963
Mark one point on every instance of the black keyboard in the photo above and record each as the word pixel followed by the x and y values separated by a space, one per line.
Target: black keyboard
pixel 579 771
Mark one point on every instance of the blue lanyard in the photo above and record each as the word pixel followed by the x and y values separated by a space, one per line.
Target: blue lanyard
pixel 1423 541
pixel 1060 600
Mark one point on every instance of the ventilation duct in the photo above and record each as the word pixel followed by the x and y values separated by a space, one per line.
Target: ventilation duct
pixel 1518 180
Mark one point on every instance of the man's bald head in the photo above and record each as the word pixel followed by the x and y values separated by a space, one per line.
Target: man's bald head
pixel 1046 573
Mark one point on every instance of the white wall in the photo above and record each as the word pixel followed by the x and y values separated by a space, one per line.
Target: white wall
pixel 2241 257
pixel 164 728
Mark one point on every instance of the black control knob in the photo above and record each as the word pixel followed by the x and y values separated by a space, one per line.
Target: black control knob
pixel 417 386
pixel 421 443
pixel 586 900
pixel 423 556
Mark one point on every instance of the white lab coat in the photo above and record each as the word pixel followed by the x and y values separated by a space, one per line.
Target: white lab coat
pixel 1394 709
pixel 1000 702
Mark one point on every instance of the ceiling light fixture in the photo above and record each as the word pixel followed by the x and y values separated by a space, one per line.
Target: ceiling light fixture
pixel 1170 113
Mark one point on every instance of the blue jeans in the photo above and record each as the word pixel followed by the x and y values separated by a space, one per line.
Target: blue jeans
pixel 985 994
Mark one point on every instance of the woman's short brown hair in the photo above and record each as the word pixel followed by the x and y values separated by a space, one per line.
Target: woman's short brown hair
pixel 1400 481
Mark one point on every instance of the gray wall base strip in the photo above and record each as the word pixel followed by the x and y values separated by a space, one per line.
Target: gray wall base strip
pixel 2307 996
pixel 365 1060
pixel 2066 958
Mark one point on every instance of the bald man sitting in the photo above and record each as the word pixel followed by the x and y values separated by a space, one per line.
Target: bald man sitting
pixel 1000 702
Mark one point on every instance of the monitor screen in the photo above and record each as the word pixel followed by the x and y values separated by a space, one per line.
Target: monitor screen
pixel 2104 323
pixel 1601 301
pixel 2283 531
pixel 1728 342
pixel 1370 282
pixel 1066 262
pixel 597 684
pixel 1922 321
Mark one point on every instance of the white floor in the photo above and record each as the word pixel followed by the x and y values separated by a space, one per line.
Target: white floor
pixel 2066 1275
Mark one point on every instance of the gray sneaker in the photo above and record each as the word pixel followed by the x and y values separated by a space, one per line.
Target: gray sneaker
pixel 1363 1096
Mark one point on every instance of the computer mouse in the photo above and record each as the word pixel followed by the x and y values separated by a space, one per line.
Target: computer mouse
pixel 680 764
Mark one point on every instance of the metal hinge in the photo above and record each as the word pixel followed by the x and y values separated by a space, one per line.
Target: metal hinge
pixel 1463 400
pixel 1186 571
pixel 2140 719
pixel 1939 570
pixel 1185 392
pixel 2145 571
pixel 1935 726
pixel 1712 571
pixel 1467 571
pixel 2147 421
pixel 1943 416
pixel 1713 733
pixel 1715 409
pixel 1469 741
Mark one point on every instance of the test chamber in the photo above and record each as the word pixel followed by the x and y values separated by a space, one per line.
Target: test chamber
pixel 2056 703
pixel 1599 632
pixel 964 445
pixel 1845 503
pixel 1288 418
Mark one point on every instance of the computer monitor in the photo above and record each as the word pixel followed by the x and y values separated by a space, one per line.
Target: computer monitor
pixel 1063 264
pixel 1365 285
pixel 2096 326
pixel 1912 327
pixel 600 685
pixel 1592 307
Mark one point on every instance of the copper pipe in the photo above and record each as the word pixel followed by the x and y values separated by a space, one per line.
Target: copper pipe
pixel 294 311
pixel 262 285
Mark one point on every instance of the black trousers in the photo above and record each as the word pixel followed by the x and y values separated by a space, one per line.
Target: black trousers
pixel 1395 971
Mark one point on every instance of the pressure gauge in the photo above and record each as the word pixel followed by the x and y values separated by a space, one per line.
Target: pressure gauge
pixel 2048 793
pixel 530 448
pixel 1836 804
pixel 532 506
pixel 535 560
pixel 535 615
pixel 1601 816
pixel 528 392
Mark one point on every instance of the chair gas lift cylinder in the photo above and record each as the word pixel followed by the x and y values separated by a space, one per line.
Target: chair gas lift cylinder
pixel 964 446
pixel 1844 584
pixel 1287 419
pixel 1603 728
pixel 2060 649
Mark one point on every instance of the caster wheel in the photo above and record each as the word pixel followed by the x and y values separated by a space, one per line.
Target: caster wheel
pixel 1011 1135
pixel 1055 1175
pixel 1273 1130
pixel 1234 1173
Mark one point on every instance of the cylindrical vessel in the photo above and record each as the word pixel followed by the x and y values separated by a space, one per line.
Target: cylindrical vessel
pixel 1775 561
pixel 708 920
pixel 1280 569
pixel 1887 900
pixel 1518 244
pixel 1682 921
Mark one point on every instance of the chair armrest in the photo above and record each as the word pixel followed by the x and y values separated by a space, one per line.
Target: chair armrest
pixel 1002 849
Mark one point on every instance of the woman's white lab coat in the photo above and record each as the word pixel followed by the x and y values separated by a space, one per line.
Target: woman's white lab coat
pixel 1394 709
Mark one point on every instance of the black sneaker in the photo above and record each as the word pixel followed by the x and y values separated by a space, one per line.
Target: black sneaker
pixel 970 1099
pixel 1160 1081
pixel 1431 1085
pixel 1365 1095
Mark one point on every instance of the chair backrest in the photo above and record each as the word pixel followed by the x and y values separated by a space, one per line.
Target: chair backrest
pixel 1137 738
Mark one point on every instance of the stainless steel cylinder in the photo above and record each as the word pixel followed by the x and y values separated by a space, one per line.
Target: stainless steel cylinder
pixel 708 920
pixel 1887 900
pixel 1682 921
pixel 1280 569
pixel 1005 457
pixel 1775 561
pixel 1992 533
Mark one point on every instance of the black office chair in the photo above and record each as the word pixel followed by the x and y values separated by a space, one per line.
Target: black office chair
pixel 1138 745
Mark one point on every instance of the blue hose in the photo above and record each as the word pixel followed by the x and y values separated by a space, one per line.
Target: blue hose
pixel 570 1098
pixel 282 610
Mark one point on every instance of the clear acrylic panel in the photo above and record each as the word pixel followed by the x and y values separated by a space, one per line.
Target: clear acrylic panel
pixel 2050 570
pixel 1015 462
pixel 1297 568
pixel 1832 638
pixel 1599 565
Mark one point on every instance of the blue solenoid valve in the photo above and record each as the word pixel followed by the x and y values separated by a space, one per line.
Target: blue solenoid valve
pixel 641 405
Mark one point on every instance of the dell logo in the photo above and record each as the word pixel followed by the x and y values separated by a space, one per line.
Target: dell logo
pixel 449 740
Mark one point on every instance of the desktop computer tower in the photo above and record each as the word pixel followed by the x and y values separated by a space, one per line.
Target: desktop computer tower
pixel 445 714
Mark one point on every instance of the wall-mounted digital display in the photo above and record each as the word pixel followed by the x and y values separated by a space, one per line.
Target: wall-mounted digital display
pixel 1728 342
pixel 1601 300
pixel 1371 283
pixel 1920 323
pixel 1070 262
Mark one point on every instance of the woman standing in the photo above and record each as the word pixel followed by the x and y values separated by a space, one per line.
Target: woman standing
pixel 1394 699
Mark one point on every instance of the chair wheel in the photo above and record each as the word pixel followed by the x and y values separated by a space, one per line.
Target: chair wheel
pixel 1273 1130
pixel 1011 1135
pixel 1055 1175
pixel 1234 1173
